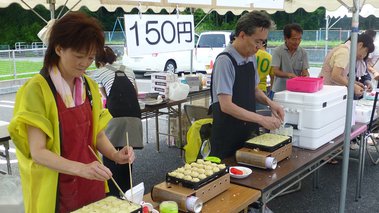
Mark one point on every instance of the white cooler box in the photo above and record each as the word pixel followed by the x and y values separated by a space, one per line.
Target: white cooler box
pixel 317 117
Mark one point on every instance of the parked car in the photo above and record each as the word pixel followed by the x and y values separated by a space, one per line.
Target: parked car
pixel 208 46
pixel 157 62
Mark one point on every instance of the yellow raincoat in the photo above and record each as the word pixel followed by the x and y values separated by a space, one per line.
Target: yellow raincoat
pixel 194 140
pixel 36 106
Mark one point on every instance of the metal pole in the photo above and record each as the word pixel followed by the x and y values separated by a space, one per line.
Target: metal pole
pixel 14 64
pixel 346 145
pixel 326 33
pixel 52 8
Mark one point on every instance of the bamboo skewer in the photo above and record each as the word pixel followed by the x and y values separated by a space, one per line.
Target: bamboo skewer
pixel 117 186
pixel 130 167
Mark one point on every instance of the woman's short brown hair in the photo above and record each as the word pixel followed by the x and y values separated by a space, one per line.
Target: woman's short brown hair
pixel 106 56
pixel 76 31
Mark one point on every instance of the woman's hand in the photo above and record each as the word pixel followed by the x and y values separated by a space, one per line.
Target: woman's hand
pixel 305 73
pixel 291 75
pixel 95 171
pixel 124 155
pixel 358 90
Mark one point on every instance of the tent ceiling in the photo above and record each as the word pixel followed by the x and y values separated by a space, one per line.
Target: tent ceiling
pixel 221 6
pixel 366 11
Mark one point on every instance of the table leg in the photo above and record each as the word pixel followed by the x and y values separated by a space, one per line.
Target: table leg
pixel 316 177
pixel 6 145
pixel 360 166
pixel 147 130
pixel 157 129
pixel 180 128
pixel 169 130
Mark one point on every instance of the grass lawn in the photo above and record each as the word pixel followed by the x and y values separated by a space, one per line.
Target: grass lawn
pixel 24 69
pixel 308 44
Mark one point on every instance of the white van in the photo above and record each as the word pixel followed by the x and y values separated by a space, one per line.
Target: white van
pixel 208 46
pixel 157 62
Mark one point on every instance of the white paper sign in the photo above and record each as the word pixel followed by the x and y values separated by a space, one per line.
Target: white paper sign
pixel 147 34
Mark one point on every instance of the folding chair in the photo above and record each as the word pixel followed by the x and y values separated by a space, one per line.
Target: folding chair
pixel 194 112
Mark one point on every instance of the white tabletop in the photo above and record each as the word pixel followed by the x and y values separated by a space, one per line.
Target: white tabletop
pixel 4 129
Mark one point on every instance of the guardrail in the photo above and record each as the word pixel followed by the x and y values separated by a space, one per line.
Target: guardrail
pixel 22 63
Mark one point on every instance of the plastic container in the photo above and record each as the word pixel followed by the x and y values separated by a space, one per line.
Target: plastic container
pixel 168 207
pixel 178 91
pixel 305 84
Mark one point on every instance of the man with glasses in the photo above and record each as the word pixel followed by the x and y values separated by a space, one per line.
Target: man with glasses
pixel 289 60
pixel 234 88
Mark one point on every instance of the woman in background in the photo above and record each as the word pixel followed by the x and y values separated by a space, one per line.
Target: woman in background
pixel 119 87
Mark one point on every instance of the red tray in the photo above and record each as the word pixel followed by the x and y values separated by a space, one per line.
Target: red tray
pixel 305 84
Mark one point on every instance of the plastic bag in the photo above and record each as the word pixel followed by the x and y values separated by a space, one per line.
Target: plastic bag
pixel 178 91
pixel 44 33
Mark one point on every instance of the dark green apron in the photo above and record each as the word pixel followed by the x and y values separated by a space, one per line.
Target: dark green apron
pixel 229 133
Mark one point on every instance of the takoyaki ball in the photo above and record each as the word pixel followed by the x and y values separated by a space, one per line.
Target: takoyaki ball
pixel 194 174
pixel 208 162
pixel 202 176
pixel 221 166
pixel 187 177
pixel 180 175
pixel 172 174
pixel 193 164
pixel 201 171
pixel 187 172
pixel 181 170
pixel 215 169
pixel 208 172
pixel 195 179
pixel 207 168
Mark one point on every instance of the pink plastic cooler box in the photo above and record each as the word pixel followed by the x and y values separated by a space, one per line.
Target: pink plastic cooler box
pixel 305 84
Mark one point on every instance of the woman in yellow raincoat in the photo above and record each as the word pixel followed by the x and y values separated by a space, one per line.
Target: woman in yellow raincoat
pixel 58 115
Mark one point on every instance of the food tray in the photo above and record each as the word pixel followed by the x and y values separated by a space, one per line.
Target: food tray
pixel 261 142
pixel 305 84
pixel 195 185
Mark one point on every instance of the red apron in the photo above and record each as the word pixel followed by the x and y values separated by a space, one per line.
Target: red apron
pixel 76 135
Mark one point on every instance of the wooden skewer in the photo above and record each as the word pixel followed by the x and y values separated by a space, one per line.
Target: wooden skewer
pixel 118 187
pixel 130 167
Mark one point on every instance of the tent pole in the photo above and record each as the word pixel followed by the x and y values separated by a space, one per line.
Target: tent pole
pixel 52 8
pixel 346 145
pixel 326 33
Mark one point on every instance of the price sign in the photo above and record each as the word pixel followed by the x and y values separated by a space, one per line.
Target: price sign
pixel 147 34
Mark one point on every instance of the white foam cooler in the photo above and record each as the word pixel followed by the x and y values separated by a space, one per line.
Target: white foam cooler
pixel 317 117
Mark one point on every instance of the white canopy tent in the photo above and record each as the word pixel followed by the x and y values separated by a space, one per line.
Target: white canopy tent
pixel 342 12
pixel 221 6
pixel 237 7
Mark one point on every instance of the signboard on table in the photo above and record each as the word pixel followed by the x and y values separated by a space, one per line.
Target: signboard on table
pixel 147 34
